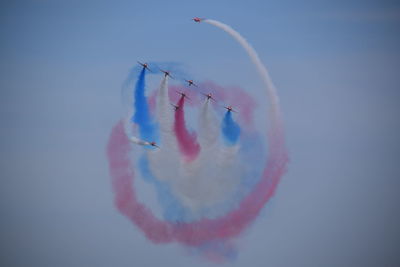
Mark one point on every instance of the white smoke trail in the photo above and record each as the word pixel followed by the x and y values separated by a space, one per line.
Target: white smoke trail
pixel 164 163
pixel 163 109
pixel 137 141
pixel 208 126
pixel 271 90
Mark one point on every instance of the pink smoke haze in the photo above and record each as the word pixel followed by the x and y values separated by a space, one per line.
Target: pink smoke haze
pixel 201 231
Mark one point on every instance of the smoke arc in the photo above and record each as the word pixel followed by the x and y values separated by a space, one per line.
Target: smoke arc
pixel 274 118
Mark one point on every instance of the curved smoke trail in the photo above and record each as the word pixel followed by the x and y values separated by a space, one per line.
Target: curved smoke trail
pixel 137 141
pixel 193 233
pixel 262 70
pixel 276 139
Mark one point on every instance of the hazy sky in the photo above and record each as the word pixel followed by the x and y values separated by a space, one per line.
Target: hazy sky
pixel 336 66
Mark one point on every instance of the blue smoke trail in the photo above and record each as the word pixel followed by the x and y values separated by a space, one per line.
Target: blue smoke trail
pixel 147 129
pixel 230 129
pixel 172 209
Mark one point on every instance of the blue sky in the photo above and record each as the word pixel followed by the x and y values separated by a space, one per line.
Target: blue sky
pixel 335 64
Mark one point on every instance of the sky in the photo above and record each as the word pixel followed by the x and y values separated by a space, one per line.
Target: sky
pixel 335 65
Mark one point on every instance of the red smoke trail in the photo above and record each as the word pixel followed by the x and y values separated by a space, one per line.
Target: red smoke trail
pixel 201 231
pixel 186 141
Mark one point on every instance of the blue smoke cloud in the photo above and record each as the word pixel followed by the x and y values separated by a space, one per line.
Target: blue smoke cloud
pixel 147 129
pixel 230 129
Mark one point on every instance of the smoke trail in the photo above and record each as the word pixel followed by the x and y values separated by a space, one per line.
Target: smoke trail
pixel 187 141
pixel 262 71
pixel 137 141
pixel 278 158
pixel 230 129
pixel 164 164
pixel 168 155
pixel 142 115
pixel 164 113
pixel 208 131
pixel 194 233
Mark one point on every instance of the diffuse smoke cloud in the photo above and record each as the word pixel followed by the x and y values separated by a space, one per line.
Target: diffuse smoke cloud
pixel 209 186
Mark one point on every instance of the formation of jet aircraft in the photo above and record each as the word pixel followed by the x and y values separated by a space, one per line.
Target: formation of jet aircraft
pixel 167 73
